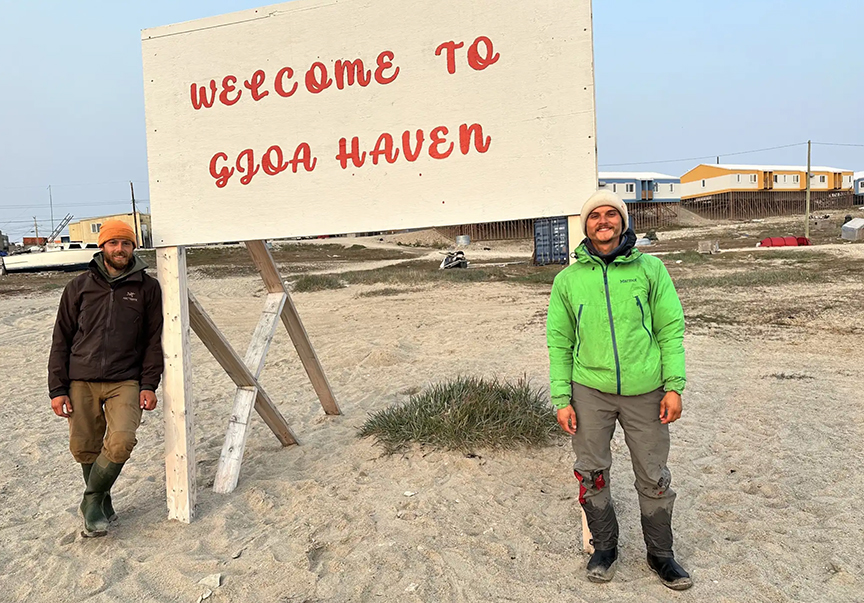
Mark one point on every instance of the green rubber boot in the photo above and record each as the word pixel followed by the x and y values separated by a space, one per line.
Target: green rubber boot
pixel 103 474
pixel 107 507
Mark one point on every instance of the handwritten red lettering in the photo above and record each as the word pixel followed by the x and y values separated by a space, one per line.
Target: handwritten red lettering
pixel 273 166
pixel 478 62
pixel 316 78
pixel 384 146
pixel 254 85
pixel 385 61
pixel 199 96
pixel 450 47
pixel 406 144
pixel 227 88
pixel 285 73
pixel 221 175
pixel 250 169
pixel 303 156
pixel 465 132
pixel 352 71
pixel 355 156
pixel 436 138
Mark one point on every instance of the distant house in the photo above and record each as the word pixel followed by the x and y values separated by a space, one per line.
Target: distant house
pixel 752 191
pixel 636 187
pixel 87 230
pixel 858 184
pixel 652 199
pixel 4 241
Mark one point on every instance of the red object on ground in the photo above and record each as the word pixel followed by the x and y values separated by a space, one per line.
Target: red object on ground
pixel 784 242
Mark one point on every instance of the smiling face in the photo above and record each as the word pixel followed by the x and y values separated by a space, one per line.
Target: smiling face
pixel 117 253
pixel 604 226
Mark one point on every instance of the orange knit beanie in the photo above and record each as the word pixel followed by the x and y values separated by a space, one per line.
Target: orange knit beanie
pixel 115 229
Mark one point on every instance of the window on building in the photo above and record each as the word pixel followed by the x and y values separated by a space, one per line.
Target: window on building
pixel 656 188
pixel 795 179
pixel 631 188
pixel 776 178
pixel 95 227
pixel 739 177
pixel 671 188
pixel 753 178
pixel 703 184
pixel 821 178
pixel 614 188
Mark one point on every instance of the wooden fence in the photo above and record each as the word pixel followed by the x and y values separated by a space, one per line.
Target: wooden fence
pixel 491 231
pixel 741 205
pixel 647 216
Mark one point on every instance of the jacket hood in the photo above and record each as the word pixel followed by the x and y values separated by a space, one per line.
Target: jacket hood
pixel 97 264
pixel 625 251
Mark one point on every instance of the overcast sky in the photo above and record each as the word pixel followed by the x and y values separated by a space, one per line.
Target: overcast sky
pixel 675 79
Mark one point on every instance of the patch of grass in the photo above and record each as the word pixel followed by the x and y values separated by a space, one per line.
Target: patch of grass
pixel 760 277
pixel 690 257
pixel 420 272
pixel 388 291
pixel 436 245
pixel 466 414
pixel 317 282
pixel 792 376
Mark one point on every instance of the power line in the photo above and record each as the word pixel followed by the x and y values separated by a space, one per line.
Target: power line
pixel 784 146
pixel 838 144
pixel 61 205
pixel 14 188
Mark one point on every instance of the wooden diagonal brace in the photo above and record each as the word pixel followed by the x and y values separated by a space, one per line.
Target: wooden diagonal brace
pixel 270 274
pixel 240 374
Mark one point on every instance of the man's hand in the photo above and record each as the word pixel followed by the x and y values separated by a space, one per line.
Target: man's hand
pixel 670 407
pixel 62 406
pixel 567 419
pixel 147 399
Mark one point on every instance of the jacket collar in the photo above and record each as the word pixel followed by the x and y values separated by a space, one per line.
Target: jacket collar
pixel 625 252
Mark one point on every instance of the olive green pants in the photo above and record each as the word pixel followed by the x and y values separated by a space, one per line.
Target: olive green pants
pixel 648 441
pixel 104 419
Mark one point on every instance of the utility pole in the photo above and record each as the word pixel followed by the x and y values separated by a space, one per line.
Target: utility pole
pixel 807 197
pixel 51 203
pixel 36 226
pixel 134 215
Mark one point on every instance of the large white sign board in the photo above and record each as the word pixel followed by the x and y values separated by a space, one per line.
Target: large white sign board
pixel 265 124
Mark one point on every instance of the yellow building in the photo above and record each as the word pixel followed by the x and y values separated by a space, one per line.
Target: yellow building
pixel 708 179
pixel 87 230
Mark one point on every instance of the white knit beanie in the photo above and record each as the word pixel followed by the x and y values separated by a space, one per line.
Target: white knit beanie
pixel 599 199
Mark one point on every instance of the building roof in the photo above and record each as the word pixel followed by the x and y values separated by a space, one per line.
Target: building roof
pixel 775 168
pixel 858 175
pixel 635 176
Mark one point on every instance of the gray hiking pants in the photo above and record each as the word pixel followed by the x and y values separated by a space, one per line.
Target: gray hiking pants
pixel 648 441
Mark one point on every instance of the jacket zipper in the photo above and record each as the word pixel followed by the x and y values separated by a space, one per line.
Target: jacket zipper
pixel 107 328
pixel 578 326
pixel 612 326
pixel 642 311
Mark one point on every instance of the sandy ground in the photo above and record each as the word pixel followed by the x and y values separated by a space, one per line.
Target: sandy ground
pixel 766 461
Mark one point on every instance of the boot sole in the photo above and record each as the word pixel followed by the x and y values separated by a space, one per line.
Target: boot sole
pixel 606 577
pixel 682 584
pixel 85 533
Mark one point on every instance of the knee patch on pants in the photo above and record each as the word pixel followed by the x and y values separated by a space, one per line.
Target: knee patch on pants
pixel 594 481
pixel 658 489
pixel 119 445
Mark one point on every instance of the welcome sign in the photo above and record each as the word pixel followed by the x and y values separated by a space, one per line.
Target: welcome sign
pixel 326 117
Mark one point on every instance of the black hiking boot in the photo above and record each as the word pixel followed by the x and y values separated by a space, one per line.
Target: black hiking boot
pixel 671 574
pixel 107 507
pixel 601 566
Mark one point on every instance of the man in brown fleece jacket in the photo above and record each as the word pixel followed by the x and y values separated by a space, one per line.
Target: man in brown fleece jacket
pixel 105 365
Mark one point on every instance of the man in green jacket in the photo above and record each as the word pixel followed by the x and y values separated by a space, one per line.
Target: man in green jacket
pixel 615 333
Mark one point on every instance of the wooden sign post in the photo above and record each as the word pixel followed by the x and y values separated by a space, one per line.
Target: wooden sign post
pixel 316 117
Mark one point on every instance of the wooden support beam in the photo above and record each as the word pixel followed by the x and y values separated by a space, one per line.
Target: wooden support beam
pixel 228 469
pixel 291 319
pixel 177 386
pixel 586 534
pixel 225 355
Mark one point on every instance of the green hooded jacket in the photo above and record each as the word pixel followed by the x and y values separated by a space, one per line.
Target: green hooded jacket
pixel 617 328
